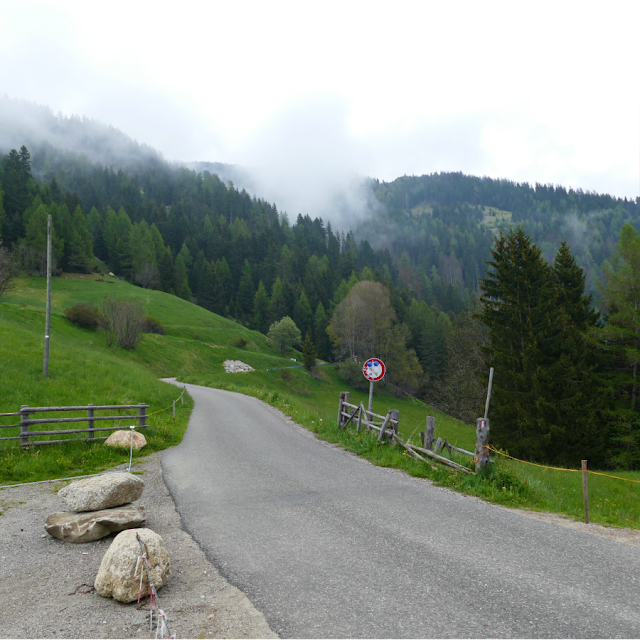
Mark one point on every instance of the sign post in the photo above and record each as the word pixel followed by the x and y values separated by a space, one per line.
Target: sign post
pixel 373 371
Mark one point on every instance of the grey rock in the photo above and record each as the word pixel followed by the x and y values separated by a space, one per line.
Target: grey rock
pixel 116 577
pixel 93 525
pixel 102 492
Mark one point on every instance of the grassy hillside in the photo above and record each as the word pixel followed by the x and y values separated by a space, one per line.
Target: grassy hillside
pixel 83 370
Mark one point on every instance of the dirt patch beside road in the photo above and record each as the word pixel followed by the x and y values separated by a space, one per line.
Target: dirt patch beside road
pixel 46 585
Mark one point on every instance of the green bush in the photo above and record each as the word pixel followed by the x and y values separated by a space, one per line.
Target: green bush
pixel 239 342
pixel 83 314
pixel 153 325
pixel 351 373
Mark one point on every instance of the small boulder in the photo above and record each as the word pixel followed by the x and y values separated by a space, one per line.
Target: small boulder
pixel 122 438
pixel 116 575
pixel 102 492
pixel 93 525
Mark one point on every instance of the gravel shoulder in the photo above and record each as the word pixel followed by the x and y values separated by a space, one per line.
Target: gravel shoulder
pixel 46 585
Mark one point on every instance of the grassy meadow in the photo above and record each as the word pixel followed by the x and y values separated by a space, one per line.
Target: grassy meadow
pixel 82 370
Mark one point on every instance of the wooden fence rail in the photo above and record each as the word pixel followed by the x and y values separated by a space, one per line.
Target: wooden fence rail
pixel 26 422
pixel 387 426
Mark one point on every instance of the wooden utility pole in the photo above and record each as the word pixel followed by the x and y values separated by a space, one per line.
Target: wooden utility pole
pixel 47 322
pixel 486 406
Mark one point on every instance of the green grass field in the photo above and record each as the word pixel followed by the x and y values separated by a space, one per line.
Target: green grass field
pixel 82 370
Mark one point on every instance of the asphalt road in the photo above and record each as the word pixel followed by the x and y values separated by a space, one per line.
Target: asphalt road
pixel 327 545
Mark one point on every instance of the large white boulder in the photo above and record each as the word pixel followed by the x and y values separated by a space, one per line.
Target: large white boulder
pixel 122 438
pixel 116 575
pixel 93 525
pixel 102 492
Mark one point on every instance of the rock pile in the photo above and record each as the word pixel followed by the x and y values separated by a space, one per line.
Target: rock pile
pixel 96 508
pixel 117 576
pixel 236 366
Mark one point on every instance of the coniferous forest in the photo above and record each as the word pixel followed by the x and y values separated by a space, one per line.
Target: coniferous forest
pixel 540 282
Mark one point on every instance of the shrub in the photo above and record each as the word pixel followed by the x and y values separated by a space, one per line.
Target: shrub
pixel 122 321
pixel 8 270
pixel 351 372
pixel 83 314
pixel 153 325
pixel 239 342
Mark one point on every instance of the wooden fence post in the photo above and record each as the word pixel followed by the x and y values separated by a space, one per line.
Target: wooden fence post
pixel 395 415
pixel 428 436
pixel 384 426
pixel 585 491
pixel 24 427
pixel 360 410
pixel 141 415
pixel 344 397
pixel 90 422
pixel 174 408
pixel 482 443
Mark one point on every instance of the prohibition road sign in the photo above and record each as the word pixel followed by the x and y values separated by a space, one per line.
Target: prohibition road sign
pixel 374 369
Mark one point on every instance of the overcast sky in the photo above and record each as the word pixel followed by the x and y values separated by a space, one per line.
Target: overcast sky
pixel 537 92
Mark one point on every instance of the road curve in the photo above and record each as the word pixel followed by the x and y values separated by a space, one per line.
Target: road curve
pixel 328 545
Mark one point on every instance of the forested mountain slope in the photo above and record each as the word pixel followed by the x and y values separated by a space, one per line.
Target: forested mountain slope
pixel 445 223
pixel 186 231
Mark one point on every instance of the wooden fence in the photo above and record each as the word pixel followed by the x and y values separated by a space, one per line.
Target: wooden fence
pixel 26 422
pixel 387 427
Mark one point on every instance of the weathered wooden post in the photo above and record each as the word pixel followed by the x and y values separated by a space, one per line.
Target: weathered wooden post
pixel 360 412
pixel 24 426
pixel 90 421
pixel 428 435
pixel 384 426
pixel 141 415
pixel 486 406
pixel 482 443
pixel 174 408
pixel 395 417
pixel 585 491
pixel 184 390
pixel 344 397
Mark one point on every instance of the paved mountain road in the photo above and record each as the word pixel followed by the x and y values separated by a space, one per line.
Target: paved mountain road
pixel 327 545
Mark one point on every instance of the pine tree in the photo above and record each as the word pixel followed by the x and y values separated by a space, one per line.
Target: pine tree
pixel 278 307
pixel 246 290
pixel 320 335
pixel 261 309
pixel 224 286
pixel 81 248
pixel 302 314
pixel 167 272
pixel 570 279
pixel 576 394
pixel 206 291
pixel 309 352
pixel 518 307
pixel 620 345
pixel 181 286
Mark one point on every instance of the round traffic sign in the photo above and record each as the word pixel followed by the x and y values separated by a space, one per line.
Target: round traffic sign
pixel 373 369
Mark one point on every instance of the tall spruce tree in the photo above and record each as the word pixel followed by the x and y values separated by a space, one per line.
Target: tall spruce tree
pixel 576 395
pixel 302 314
pixel 261 309
pixel 518 307
pixel 320 335
pixel 619 342
pixel 246 290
